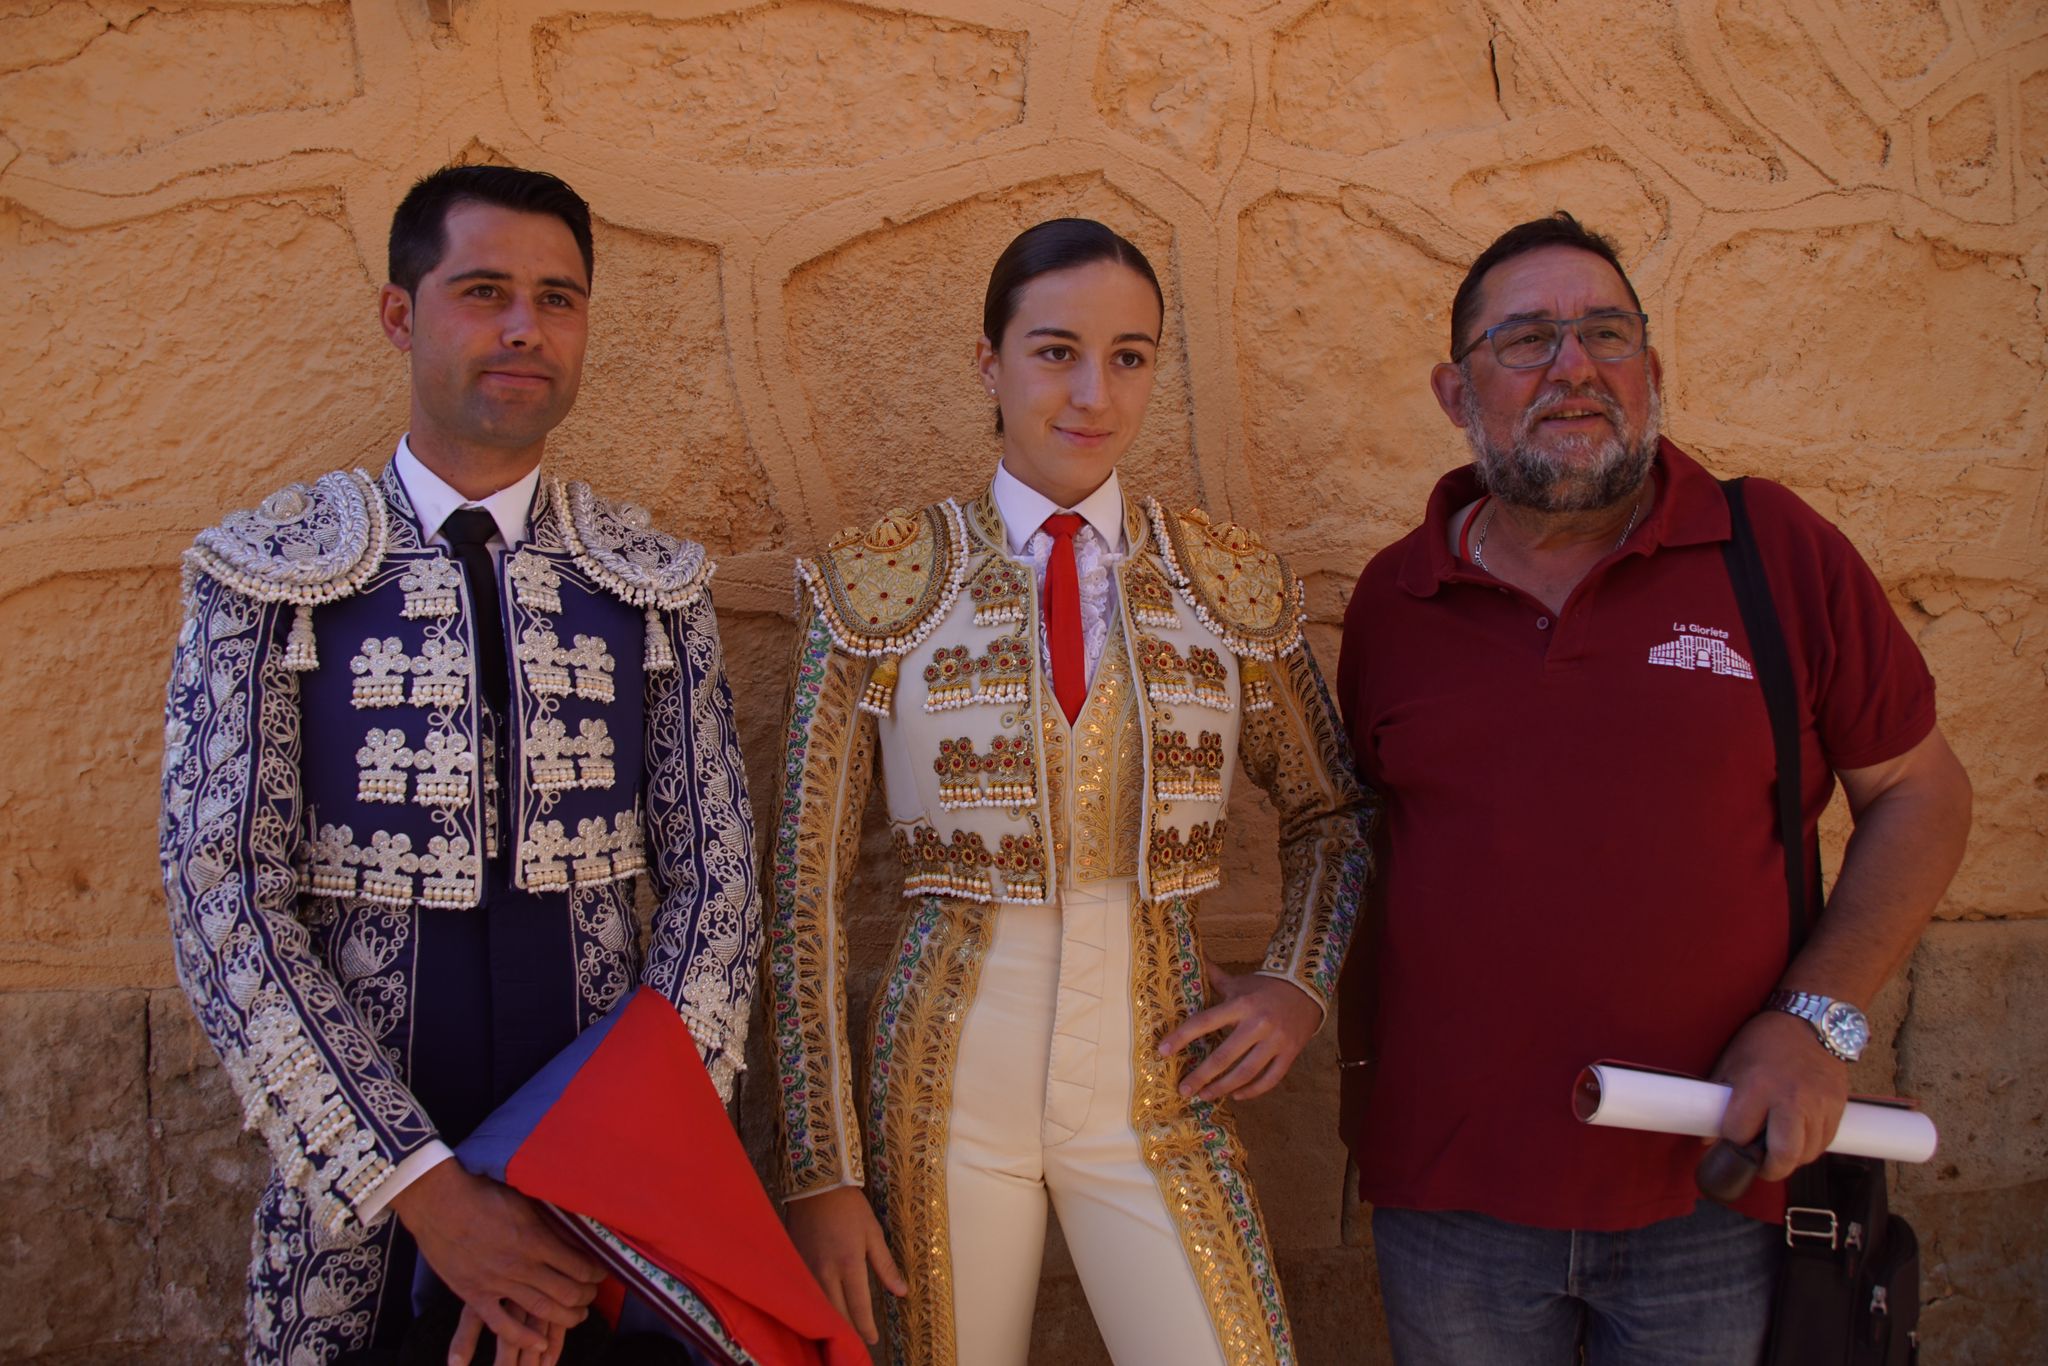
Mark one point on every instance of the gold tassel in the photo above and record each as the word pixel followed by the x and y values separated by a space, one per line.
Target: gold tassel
pixel 660 658
pixel 301 655
pixel 1258 686
pixel 880 692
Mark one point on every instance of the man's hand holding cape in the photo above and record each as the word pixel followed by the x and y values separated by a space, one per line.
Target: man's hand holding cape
pixel 622 1140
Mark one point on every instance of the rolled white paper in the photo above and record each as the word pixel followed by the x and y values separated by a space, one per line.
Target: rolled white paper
pixel 1621 1097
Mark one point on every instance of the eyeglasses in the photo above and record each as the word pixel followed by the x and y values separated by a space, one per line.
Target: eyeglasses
pixel 1528 343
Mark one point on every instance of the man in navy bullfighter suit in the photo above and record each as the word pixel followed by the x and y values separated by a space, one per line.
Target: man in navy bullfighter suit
pixel 424 733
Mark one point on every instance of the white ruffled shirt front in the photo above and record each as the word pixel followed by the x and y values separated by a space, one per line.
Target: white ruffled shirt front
pixel 1098 548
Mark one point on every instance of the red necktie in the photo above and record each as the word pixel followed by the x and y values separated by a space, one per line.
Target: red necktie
pixel 1063 615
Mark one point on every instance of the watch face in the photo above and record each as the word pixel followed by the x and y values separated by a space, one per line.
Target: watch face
pixel 1845 1028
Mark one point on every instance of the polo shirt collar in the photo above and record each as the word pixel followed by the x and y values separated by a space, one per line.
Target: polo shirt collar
pixel 1690 510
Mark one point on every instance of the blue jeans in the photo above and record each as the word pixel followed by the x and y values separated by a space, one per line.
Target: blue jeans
pixel 1466 1290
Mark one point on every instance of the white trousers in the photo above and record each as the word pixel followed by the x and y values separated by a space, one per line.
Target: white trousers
pixel 1042 1108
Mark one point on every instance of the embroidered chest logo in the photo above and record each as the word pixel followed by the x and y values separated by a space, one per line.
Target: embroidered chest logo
pixel 1703 649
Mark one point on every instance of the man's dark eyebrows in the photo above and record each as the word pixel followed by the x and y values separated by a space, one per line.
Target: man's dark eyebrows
pixel 486 273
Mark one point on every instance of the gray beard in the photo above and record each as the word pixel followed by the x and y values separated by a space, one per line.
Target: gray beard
pixel 1523 477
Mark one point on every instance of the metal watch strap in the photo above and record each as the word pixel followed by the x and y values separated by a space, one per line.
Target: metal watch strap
pixel 1808 1006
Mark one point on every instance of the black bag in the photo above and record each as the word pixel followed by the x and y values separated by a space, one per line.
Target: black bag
pixel 1848 1289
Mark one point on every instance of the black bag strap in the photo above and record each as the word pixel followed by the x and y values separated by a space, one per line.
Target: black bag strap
pixel 1773 663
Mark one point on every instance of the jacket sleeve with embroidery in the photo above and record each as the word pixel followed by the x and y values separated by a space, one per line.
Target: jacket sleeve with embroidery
pixel 308 1072
pixel 700 827
pixel 1295 750
pixel 827 772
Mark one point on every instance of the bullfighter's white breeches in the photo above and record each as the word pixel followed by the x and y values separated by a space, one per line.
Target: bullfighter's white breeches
pixel 1042 1106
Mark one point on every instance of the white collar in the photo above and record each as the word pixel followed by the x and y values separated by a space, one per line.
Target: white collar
pixel 433 500
pixel 1025 509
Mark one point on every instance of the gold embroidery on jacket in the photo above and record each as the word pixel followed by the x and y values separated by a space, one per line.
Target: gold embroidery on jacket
pixel 1193 1149
pixel 1006 776
pixel 1108 769
pixel 958 678
pixel 1183 867
pixel 1197 677
pixel 964 867
pixel 916 1028
pixel 1183 772
pixel 1000 591
pixel 1150 595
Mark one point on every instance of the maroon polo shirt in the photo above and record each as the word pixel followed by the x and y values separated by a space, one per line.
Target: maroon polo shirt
pixel 1580 854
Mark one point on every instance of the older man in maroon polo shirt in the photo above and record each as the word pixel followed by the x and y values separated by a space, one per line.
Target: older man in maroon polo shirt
pixel 1549 682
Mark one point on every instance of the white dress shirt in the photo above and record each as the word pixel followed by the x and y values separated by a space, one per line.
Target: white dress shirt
pixel 433 500
pixel 1098 549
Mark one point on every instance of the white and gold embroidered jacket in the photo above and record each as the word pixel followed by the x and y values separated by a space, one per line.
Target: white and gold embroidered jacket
pixel 330 773
pixel 918 643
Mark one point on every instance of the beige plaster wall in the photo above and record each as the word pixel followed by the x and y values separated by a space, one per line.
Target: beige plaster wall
pixel 1835 210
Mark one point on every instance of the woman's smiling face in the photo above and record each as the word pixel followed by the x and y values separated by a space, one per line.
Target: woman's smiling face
pixel 1073 371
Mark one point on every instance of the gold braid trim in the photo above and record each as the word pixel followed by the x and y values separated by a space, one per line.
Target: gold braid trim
pixel 1237 587
pixel 918 1018
pixel 1193 1148
pixel 883 590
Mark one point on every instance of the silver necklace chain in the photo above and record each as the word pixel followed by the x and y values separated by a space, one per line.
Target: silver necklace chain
pixel 1479 541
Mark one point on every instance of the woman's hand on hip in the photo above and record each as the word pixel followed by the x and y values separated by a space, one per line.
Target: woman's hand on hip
pixel 1269 1019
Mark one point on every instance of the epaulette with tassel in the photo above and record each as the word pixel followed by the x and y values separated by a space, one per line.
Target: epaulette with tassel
pixel 1238 588
pixel 306 544
pixel 883 590
pixel 618 547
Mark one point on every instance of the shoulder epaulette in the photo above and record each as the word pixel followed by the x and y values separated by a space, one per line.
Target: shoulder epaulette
pixel 618 546
pixel 1237 587
pixel 883 590
pixel 305 544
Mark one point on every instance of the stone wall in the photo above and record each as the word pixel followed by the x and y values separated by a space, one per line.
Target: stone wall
pixel 1837 211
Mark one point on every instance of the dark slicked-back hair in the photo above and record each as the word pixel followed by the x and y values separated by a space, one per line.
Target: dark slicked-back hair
pixel 1056 244
pixel 419 230
pixel 1558 230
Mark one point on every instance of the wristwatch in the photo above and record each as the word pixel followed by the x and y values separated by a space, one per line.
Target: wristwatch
pixel 1842 1028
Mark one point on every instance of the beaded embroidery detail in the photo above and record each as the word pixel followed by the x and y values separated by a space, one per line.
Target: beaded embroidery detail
pixel 306 544
pixel 1001 677
pixel 964 867
pixel 431 586
pixel 600 851
pixel 882 591
pixel 1236 586
pixel 1184 867
pixel 1182 772
pixel 1006 776
pixel 1150 596
pixel 1197 677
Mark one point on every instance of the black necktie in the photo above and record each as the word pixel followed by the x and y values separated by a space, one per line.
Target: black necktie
pixel 468 532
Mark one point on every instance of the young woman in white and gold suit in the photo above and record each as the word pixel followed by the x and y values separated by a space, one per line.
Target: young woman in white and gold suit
pixel 1051 677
